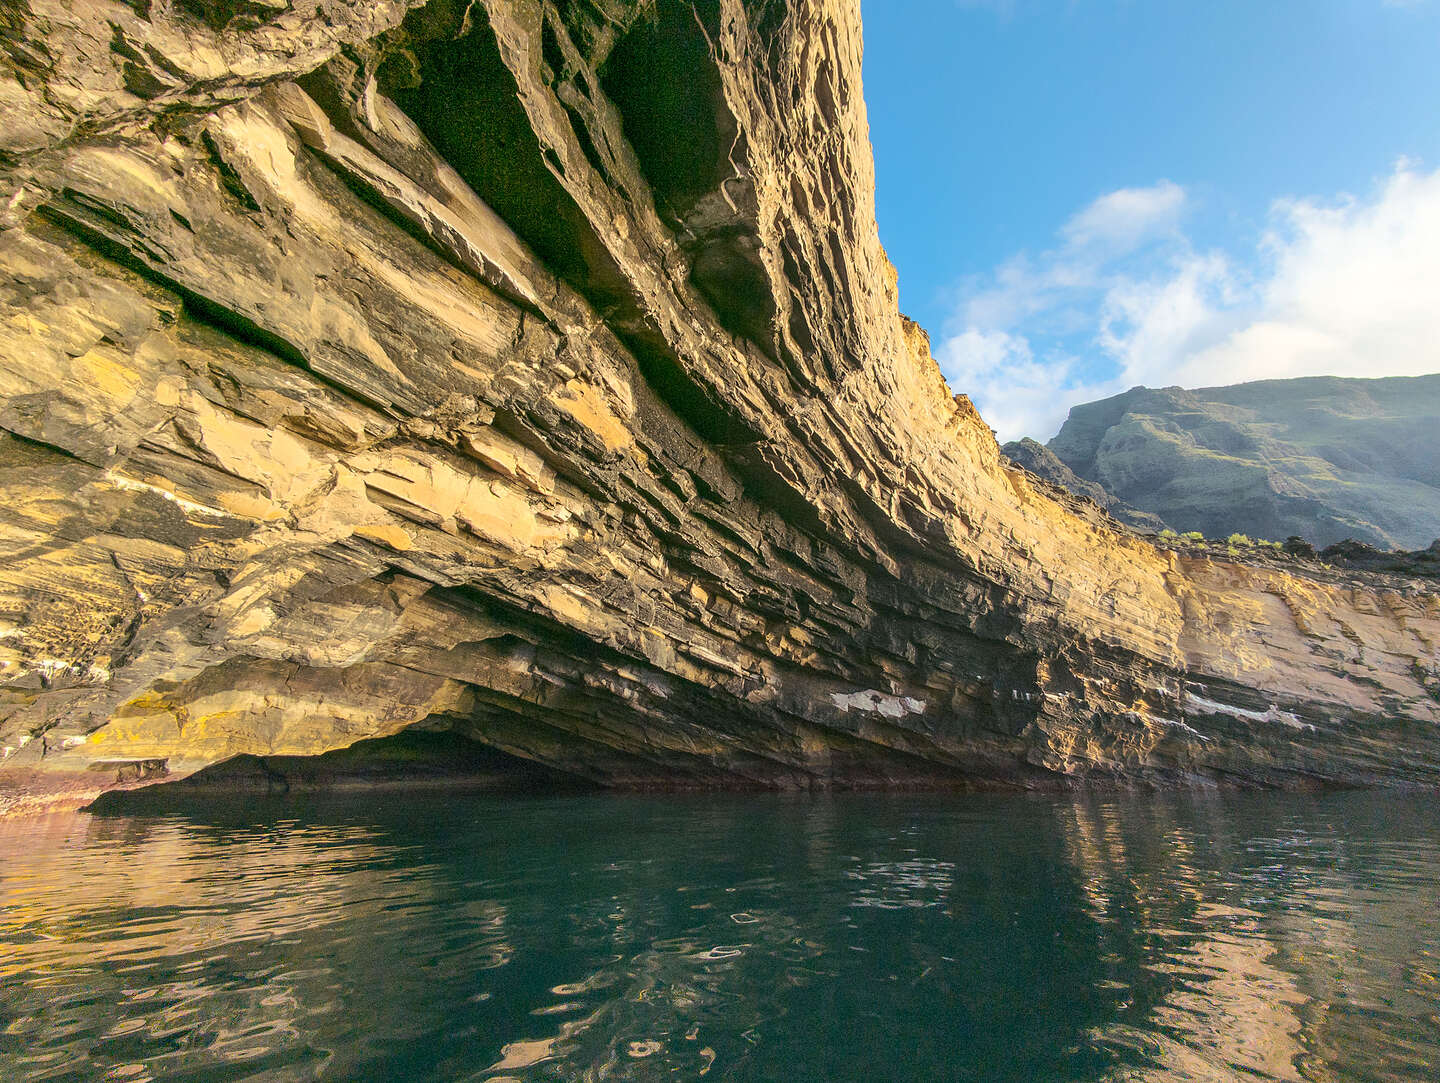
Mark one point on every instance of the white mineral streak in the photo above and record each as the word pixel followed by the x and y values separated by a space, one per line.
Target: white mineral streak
pixel 875 702
pixel 1182 727
pixel 130 485
pixel 1271 714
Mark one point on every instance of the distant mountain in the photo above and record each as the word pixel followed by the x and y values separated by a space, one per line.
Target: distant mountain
pixel 1322 457
pixel 1041 461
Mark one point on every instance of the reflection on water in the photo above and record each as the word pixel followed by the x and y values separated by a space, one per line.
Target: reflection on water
pixel 456 937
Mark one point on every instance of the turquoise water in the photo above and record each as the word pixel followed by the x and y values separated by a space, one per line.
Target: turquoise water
pixel 443 936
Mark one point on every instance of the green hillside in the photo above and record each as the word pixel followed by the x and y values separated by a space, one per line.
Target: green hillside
pixel 1323 457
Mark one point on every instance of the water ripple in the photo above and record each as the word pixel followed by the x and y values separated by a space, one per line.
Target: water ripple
pixel 1273 937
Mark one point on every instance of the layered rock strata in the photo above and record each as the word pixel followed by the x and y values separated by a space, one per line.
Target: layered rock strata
pixel 533 371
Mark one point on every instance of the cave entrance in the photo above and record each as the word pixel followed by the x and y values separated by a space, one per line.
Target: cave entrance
pixel 425 756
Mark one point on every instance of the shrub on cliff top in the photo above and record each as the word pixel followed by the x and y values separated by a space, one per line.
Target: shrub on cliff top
pixel 1299 547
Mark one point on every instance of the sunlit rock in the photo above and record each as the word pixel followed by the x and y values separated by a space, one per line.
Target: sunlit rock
pixel 533 371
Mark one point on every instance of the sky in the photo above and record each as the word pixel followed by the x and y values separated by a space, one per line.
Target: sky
pixel 1085 195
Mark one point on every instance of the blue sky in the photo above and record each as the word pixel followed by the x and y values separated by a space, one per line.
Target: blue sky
pixel 1083 195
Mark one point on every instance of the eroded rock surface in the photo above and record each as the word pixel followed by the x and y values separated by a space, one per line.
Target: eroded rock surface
pixel 533 371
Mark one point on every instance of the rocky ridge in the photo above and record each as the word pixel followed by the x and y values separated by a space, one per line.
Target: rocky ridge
pixel 1323 457
pixel 531 370
pixel 1039 460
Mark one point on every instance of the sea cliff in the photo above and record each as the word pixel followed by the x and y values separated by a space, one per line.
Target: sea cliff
pixel 531 370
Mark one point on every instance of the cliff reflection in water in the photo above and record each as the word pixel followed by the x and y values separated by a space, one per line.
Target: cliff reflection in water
pixel 1276 937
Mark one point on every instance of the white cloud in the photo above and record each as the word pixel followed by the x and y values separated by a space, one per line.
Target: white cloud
pixel 1048 288
pixel 1127 217
pixel 1000 373
pixel 1355 291
pixel 1346 287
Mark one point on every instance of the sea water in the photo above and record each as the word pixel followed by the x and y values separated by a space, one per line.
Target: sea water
pixel 435 935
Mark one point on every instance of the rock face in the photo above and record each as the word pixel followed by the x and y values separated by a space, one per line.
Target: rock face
pixel 531 371
pixel 1358 555
pixel 1321 457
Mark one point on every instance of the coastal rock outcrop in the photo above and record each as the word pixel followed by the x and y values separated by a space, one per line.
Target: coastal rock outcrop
pixel 531 370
